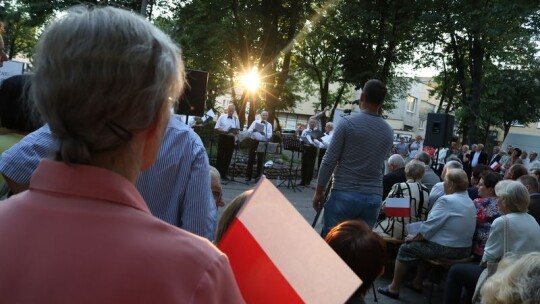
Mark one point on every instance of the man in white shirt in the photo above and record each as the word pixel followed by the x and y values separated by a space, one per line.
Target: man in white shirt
pixel 261 131
pixel 533 161
pixel 227 127
pixel 310 152
pixel 324 142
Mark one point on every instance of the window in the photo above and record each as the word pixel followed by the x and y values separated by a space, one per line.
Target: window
pixel 411 104
pixel 422 125
pixel 518 124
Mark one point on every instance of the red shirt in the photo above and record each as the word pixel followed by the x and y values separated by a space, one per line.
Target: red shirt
pixel 83 234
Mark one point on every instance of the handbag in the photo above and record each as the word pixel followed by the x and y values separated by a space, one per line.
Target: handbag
pixel 491 267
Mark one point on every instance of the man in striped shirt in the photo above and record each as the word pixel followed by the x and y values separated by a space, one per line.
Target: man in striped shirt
pixel 359 146
pixel 176 187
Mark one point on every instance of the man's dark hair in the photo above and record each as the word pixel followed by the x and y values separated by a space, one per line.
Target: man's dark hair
pixel 374 92
pixel 15 110
pixel 424 157
pixel 517 171
pixel 529 181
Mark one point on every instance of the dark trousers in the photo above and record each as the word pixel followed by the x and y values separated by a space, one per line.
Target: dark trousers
pixel 461 276
pixel 260 158
pixel 224 153
pixel 308 164
pixel 322 152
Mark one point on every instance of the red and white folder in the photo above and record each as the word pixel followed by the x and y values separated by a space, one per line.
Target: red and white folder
pixel 495 166
pixel 277 257
pixel 397 207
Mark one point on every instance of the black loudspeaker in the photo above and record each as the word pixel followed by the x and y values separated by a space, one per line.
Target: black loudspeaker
pixel 193 101
pixel 439 130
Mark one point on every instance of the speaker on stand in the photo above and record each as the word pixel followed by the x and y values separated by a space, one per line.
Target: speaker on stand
pixel 193 101
pixel 439 132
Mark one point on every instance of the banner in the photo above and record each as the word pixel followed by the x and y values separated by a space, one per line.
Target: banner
pixel 277 257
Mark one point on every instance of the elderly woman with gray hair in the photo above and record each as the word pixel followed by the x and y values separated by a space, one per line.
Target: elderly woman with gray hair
pixel 515 231
pixel 104 81
pixel 446 234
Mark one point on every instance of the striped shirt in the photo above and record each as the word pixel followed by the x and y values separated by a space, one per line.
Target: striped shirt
pixel 359 146
pixel 176 187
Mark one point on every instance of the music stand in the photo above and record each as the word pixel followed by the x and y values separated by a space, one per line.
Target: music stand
pixel 290 143
pixel 235 161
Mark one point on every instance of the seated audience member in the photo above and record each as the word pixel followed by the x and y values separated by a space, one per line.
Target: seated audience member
pixel 430 178
pixel 229 214
pixel 438 189
pixel 362 250
pixel 82 231
pixel 516 171
pixel 396 173
pixel 417 194
pixel 446 234
pixel 531 183
pixel 522 229
pixel 486 210
pixel 517 281
pixel 475 179
pixel 215 184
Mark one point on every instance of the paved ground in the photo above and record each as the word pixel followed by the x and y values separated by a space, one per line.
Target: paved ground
pixel 301 200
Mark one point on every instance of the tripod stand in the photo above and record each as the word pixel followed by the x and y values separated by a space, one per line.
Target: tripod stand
pixel 294 145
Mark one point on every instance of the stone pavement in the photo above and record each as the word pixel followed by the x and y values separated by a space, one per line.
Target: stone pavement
pixel 301 200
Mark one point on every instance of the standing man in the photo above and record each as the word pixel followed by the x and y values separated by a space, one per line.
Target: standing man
pixel 310 151
pixel 324 143
pixel 261 131
pixel 479 156
pixel 533 161
pixel 227 128
pixel 415 147
pixel 3 55
pixel 402 148
pixel 357 188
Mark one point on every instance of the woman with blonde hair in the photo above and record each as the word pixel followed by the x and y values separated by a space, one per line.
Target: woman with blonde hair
pixel 517 281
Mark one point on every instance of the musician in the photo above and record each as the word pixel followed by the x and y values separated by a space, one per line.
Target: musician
pixel 324 142
pixel 227 127
pixel 260 131
pixel 310 151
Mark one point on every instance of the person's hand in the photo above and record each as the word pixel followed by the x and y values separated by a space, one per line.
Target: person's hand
pixel 318 200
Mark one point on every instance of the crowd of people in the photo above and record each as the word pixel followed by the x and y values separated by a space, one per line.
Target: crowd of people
pixel 111 198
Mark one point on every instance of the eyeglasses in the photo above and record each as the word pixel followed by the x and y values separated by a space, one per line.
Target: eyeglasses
pixel 218 195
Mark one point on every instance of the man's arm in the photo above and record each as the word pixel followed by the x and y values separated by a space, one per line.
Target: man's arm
pixel 328 164
pixel 18 163
pixel 199 214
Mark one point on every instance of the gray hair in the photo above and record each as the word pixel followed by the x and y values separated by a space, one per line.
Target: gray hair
pixel 517 280
pixel 530 182
pixel 457 179
pixel 214 174
pixel 415 170
pixel 512 195
pixel 453 164
pixel 396 160
pixel 102 74
pixel 424 157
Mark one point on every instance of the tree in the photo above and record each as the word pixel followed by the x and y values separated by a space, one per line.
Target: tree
pixel 473 35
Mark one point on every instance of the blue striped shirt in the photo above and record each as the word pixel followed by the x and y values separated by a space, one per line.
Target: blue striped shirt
pixel 176 187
